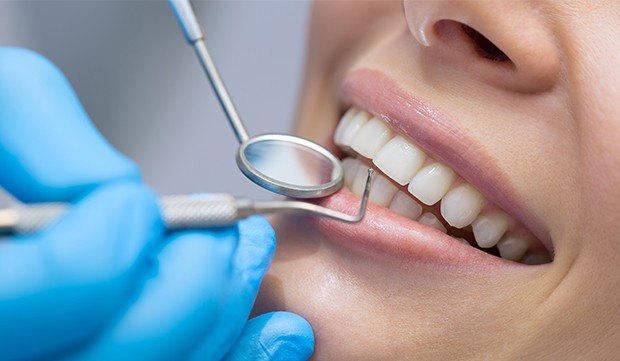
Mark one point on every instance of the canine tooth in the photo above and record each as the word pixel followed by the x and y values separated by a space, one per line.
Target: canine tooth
pixel 431 183
pixel 352 127
pixel 382 191
pixel 405 206
pixel 461 205
pixel 536 258
pixel 372 136
pixel 430 220
pixel 399 159
pixel 344 123
pixel 349 165
pixel 359 180
pixel 489 228
pixel 512 248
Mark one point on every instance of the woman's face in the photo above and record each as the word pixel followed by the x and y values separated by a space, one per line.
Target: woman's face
pixel 496 122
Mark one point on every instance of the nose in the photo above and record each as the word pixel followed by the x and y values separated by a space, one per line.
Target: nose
pixel 506 44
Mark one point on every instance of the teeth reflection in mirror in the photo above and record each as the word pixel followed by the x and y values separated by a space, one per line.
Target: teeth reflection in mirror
pixel 431 183
pixel 461 205
pixel 512 248
pixel 359 180
pixel 382 191
pixel 489 228
pixel 350 128
pixel 405 206
pixel 344 123
pixel 399 159
pixel 349 166
pixel 430 220
pixel 371 137
pixel 536 258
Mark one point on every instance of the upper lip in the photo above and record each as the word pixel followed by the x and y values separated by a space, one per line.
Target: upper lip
pixel 440 136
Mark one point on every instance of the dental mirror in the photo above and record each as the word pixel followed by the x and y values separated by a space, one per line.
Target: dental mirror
pixel 284 164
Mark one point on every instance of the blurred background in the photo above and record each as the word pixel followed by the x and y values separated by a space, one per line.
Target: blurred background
pixel 144 89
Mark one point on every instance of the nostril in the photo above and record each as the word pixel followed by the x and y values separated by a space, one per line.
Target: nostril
pixel 462 36
pixel 483 46
pixel 473 39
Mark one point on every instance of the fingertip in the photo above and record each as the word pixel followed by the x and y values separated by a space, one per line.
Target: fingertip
pixel 275 336
pixel 18 59
pixel 288 336
pixel 259 233
pixel 257 225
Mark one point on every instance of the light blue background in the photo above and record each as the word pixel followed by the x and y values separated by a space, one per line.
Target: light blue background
pixel 144 89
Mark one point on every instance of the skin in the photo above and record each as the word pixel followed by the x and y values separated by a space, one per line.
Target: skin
pixel 549 118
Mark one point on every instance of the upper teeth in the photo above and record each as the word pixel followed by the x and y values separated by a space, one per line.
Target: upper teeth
pixel 428 181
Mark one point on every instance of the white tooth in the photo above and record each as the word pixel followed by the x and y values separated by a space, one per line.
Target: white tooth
pixel 405 206
pixel 371 138
pixel 461 205
pixel 359 180
pixel 347 134
pixel 344 123
pixel 431 183
pixel 489 228
pixel 399 159
pixel 349 166
pixel 512 248
pixel 536 258
pixel 382 191
pixel 430 220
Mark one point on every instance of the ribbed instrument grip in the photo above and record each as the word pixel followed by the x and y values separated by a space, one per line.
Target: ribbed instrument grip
pixel 32 218
pixel 195 211
pixel 199 211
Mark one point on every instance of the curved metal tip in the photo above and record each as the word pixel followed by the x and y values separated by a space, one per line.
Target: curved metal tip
pixel 313 209
pixel 362 211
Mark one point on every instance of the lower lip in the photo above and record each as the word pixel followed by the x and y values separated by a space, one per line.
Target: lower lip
pixel 385 234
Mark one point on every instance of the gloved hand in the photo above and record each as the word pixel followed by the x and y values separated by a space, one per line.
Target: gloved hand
pixel 106 282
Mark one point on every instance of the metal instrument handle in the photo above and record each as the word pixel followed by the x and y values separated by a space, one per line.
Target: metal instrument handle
pixel 178 212
pixel 194 211
pixel 194 35
pixel 187 19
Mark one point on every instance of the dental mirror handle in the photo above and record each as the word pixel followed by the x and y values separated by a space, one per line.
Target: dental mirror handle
pixel 194 35
pixel 198 211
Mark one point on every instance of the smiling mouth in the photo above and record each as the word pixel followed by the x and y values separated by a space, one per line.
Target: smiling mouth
pixel 413 186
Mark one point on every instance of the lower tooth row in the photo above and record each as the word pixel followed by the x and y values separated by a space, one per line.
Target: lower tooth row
pixel 489 229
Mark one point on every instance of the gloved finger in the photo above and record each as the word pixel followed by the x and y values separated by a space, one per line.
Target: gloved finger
pixel 274 336
pixel 49 149
pixel 58 288
pixel 250 262
pixel 176 306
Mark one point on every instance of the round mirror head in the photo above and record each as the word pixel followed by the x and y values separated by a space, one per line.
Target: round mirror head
pixel 290 166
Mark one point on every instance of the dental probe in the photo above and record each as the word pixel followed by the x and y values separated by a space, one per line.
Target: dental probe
pixel 183 211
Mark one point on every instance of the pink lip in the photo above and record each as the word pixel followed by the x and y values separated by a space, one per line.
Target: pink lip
pixel 387 234
pixel 440 136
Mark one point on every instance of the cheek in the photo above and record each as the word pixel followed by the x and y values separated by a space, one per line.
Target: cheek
pixel 339 28
pixel 595 80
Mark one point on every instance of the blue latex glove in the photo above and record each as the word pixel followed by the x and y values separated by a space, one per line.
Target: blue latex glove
pixel 105 282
